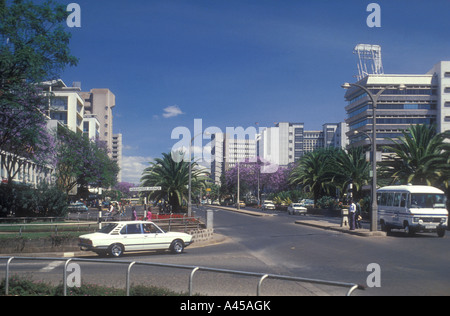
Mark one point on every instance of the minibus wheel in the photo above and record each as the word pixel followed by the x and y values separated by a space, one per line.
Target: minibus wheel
pixel 408 230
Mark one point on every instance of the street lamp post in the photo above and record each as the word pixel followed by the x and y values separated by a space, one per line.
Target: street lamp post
pixel 190 173
pixel 374 99
pixel 190 177
pixel 238 206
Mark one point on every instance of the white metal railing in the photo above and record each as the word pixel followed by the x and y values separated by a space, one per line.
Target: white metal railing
pixel 262 277
pixel 168 224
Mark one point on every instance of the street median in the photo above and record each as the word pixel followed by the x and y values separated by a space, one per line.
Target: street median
pixel 329 225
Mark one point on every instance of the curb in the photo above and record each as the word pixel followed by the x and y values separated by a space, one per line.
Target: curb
pixel 231 209
pixel 334 227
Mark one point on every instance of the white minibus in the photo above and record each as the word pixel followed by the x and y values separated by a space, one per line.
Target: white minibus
pixel 414 208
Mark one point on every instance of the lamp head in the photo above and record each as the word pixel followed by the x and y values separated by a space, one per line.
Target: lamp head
pixel 346 86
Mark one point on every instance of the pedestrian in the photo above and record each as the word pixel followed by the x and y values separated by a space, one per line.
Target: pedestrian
pixel 149 214
pixel 133 214
pixel 358 217
pixel 352 215
pixel 111 208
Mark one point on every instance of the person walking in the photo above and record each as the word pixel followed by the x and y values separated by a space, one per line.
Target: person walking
pixel 352 211
pixel 358 216
pixel 133 214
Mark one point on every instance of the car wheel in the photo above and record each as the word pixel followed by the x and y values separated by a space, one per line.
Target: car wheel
pixel 408 230
pixel 116 250
pixel 177 246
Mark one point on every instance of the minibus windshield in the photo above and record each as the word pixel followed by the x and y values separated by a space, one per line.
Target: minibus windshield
pixel 427 200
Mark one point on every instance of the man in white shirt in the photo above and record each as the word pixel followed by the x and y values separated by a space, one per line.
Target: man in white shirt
pixel 352 215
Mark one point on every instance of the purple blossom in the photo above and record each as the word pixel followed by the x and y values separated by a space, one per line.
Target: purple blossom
pixel 251 172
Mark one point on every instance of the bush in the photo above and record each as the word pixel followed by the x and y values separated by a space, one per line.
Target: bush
pixel 21 286
pixel 24 201
pixel 24 286
pixel 327 202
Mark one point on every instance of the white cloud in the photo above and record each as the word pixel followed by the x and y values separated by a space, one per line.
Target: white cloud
pixel 132 168
pixel 172 111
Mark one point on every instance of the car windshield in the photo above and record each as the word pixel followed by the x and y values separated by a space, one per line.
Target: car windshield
pixel 427 200
pixel 296 205
pixel 108 228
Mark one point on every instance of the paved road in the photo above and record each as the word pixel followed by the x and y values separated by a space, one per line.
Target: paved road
pixel 274 244
pixel 409 265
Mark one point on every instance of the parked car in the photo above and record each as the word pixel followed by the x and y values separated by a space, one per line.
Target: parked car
pixel 118 237
pixel 307 203
pixel 296 209
pixel 268 205
pixel 77 207
pixel 241 204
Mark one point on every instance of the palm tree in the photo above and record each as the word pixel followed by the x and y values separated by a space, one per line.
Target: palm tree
pixel 418 157
pixel 173 178
pixel 352 167
pixel 313 172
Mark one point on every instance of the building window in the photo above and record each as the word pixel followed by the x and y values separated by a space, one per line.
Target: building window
pixel 59 103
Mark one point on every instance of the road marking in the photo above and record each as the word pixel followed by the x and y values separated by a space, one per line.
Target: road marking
pixel 51 266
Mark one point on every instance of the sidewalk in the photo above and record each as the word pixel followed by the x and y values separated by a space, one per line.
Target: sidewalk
pixel 328 223
pixel 334 224
pixel 242 211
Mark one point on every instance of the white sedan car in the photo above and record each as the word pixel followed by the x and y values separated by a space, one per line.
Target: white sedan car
pixel 268 205
pixel 115 238
pixel 296 208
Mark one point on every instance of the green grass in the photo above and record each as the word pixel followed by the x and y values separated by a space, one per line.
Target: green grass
pixel 23 286
pixel 39 235
pixel 45 231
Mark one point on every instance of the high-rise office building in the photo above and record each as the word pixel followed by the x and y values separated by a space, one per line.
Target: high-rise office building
pixel 426 100
pixel 117 153
pixel 100 103
pixel 88 113
pixel 287 142
pixel 66 105
pixel 227 151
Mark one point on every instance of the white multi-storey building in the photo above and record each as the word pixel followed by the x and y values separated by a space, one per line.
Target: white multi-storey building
pixel 227 151
pixel 117 153
pixel 426 100
pixel 65 105
pixel 287 142
pixel 441 73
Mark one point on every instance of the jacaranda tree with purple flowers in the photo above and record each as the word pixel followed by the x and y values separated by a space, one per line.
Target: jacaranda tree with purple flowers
pixel 255 172
pixel 81 162
pixel 23 128
pixel 34 47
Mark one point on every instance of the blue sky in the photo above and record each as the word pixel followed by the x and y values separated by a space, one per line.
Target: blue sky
pixel 238 62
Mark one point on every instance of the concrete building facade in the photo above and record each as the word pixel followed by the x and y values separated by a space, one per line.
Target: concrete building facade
pixel 100 102
pixel 287 142
pixel 227 151
pixel 426 100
